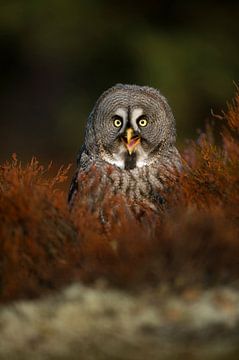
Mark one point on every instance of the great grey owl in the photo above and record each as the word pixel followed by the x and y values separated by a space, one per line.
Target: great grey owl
pixel 130 143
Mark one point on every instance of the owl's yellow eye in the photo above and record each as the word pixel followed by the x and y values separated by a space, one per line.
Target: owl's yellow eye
pixel 143 122
pixel 117 122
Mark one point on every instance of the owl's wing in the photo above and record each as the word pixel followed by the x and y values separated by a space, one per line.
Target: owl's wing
pixel 73 189
pixel 83 161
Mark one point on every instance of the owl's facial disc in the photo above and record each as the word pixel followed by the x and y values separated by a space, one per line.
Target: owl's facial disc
pixel 130 140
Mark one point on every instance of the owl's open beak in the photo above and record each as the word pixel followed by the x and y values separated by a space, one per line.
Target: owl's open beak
pixel 130 140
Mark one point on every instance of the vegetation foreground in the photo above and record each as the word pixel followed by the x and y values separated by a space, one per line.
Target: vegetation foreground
pixel 188 251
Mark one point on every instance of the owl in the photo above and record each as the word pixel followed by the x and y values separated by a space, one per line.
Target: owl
pixel 129 146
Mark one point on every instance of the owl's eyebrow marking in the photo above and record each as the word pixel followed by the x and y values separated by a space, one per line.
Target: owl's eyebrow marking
pixel 136 113
pixel 122 113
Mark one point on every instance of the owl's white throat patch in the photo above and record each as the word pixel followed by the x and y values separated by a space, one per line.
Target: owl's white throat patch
pixel 123 160
pixel 142 158
pixel 116 158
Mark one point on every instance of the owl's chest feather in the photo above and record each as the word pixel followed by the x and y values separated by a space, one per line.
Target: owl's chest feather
pixel 142 185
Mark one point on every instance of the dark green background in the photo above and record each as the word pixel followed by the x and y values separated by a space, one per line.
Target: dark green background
pixel 58 56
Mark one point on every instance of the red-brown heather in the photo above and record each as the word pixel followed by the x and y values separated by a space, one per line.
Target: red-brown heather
pixel 195 241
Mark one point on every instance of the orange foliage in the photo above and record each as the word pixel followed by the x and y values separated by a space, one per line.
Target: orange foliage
pixel 195 241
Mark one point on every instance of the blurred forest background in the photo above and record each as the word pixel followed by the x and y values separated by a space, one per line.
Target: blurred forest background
pixel 57 57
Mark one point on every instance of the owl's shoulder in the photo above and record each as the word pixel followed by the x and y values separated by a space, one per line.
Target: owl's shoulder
pixel 84 159
pixel 84 162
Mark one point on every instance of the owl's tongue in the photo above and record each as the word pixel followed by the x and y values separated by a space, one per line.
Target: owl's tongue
pixel 131 145
pixel 133 142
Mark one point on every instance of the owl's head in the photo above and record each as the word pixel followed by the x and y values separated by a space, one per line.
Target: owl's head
pixel 129 125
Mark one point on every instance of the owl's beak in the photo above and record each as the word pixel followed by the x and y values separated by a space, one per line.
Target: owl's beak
pixel 130 140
